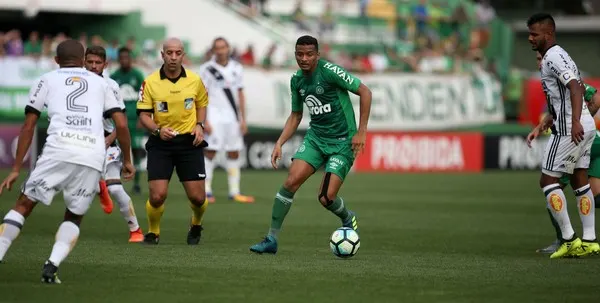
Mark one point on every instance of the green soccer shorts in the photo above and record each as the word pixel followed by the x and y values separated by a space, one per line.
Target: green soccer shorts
pixel 337 157
pixel 594 168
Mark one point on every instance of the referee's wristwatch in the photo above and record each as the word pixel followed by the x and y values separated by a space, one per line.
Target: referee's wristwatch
pixel 156 132
pixel 201 125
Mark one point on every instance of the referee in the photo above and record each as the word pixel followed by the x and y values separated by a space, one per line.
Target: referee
pixel 172 107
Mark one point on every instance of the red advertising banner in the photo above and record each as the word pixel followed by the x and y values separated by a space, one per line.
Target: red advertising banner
pixel 9 135
pixel 421 152
pixel 535 100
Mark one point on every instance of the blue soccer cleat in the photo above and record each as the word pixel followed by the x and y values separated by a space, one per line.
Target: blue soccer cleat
pixel 268 245
pixel 351 222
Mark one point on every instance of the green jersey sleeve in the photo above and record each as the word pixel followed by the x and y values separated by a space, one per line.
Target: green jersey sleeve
pixel 296 100
pixel 589 92
pixel 340 77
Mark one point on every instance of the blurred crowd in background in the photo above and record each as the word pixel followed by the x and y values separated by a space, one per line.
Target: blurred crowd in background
pixel 428 49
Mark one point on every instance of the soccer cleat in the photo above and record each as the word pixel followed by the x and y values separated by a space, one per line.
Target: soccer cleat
pixel 566 248
pixel 136 236
pixel 50 273
pixel 210 198
pixel 268 245
pixel 194 234
pixel 105 200
pixel 136 189
pixel 241 198
pixel 151 239
pixel 550 248
pixel 586 249
pixel 351 222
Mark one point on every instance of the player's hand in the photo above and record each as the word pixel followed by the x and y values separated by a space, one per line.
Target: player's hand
pixel 167 133
pixel 243 128
pixel 128 171
pixel 576 132
pixel 276 156
pixel 9 181
pixel 207 128
pixel 532 135
pixel 358 142
pixel 198 134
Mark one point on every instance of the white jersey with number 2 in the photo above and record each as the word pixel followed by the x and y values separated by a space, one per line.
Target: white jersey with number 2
pixel 77 102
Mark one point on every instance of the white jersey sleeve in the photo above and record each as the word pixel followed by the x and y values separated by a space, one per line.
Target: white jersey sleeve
pixel 238 75
pixel 114 90
pixel 37 96
pixel 564 70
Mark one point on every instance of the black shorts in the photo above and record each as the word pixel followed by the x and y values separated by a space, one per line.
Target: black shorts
pixel 179 154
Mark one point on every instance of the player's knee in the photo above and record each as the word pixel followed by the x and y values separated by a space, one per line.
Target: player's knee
pixel 210 154
pixel 292 183
pixel 157 198
pixel 24 206
pixel 72 217
pixel 197 199
pixel 234 155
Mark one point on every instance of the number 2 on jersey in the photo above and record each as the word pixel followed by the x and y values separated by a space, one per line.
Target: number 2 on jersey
pixel 78 92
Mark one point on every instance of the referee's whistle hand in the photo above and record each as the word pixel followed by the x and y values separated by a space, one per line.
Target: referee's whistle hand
pixel 167 134
pixel 198 135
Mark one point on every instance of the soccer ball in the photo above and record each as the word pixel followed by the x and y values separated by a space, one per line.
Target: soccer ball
pixel 344 242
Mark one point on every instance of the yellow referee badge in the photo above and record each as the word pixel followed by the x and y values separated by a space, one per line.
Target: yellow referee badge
pixel 189 102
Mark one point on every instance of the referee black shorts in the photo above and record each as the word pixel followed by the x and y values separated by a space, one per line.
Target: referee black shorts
pixel 179 154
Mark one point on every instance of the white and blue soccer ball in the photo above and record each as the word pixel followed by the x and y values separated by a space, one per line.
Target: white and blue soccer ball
pixel 344 242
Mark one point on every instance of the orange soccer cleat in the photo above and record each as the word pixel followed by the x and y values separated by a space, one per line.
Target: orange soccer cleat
pixel 136 236
pixel 105 200
pixel 242 198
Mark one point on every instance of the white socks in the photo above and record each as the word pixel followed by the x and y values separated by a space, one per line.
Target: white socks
pixel 233 176
pixel 125 206
pixel 9 230
pixel 586 207
pixel 66 237
pixel 557 203
pixel 209 167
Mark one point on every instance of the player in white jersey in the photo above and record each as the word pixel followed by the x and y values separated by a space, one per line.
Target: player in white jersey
pixel 225 125
pixel 573 131
pixel 72 158
pixel 95 61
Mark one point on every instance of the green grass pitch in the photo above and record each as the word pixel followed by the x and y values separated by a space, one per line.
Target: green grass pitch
pixel 424 238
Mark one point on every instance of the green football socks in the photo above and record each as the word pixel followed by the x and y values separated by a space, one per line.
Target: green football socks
pixel 338 208
pixel 281 206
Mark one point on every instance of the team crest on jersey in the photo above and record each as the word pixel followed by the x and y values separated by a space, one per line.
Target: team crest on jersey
pixel 320 90
pixel 188 103
pixel 302 91
pixel 162 107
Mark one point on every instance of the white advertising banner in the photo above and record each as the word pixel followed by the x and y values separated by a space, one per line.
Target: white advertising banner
pixel 401 101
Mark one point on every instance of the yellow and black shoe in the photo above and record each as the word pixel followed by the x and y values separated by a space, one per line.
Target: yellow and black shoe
pixel 567 248
pixel 50 273
pixel 587 248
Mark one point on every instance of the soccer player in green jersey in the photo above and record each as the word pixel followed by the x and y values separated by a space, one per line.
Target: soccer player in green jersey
pixel 593 103
pixel 130 80
pixel 332 139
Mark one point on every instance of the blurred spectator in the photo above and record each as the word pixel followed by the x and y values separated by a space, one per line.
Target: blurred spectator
pixel 150 54
pixel 83 39
pixel 131 45
pixel 364 4
pixel 13 43
pixel 326 22
pixel 2 44
pixel 97 41
pixel 484 13
pixel 33 46
pixel 299 17
pixel 421 15
pixel 112 50
pixel 247 58
pixel 57 40
pixel 267 61
pixel 47 46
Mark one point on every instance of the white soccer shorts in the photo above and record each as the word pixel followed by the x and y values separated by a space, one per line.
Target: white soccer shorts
pixel 225 137
pixel 563 156
pixel 78 183
pixel 112 164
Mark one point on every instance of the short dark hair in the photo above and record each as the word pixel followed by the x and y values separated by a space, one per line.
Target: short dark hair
pixel 219 39
pixel 124 50
pixel 541 18
pixel 70 50
pixel 96 50
pixel 308 40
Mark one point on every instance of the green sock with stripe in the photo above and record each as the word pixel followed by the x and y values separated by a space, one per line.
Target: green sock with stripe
pixel 281 206
pixel 338 208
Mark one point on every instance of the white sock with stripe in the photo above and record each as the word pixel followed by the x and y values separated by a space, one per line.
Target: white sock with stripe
pixel 66 237
pixel 557 203
pixel 586 207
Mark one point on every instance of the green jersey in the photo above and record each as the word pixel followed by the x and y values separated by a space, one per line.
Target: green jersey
pixel 325 93
pixel 130 83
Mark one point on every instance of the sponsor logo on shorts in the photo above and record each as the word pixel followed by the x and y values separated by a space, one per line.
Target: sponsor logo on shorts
pixel 585 205
pixel 302 148
pixel 82 193
pixel 556 202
